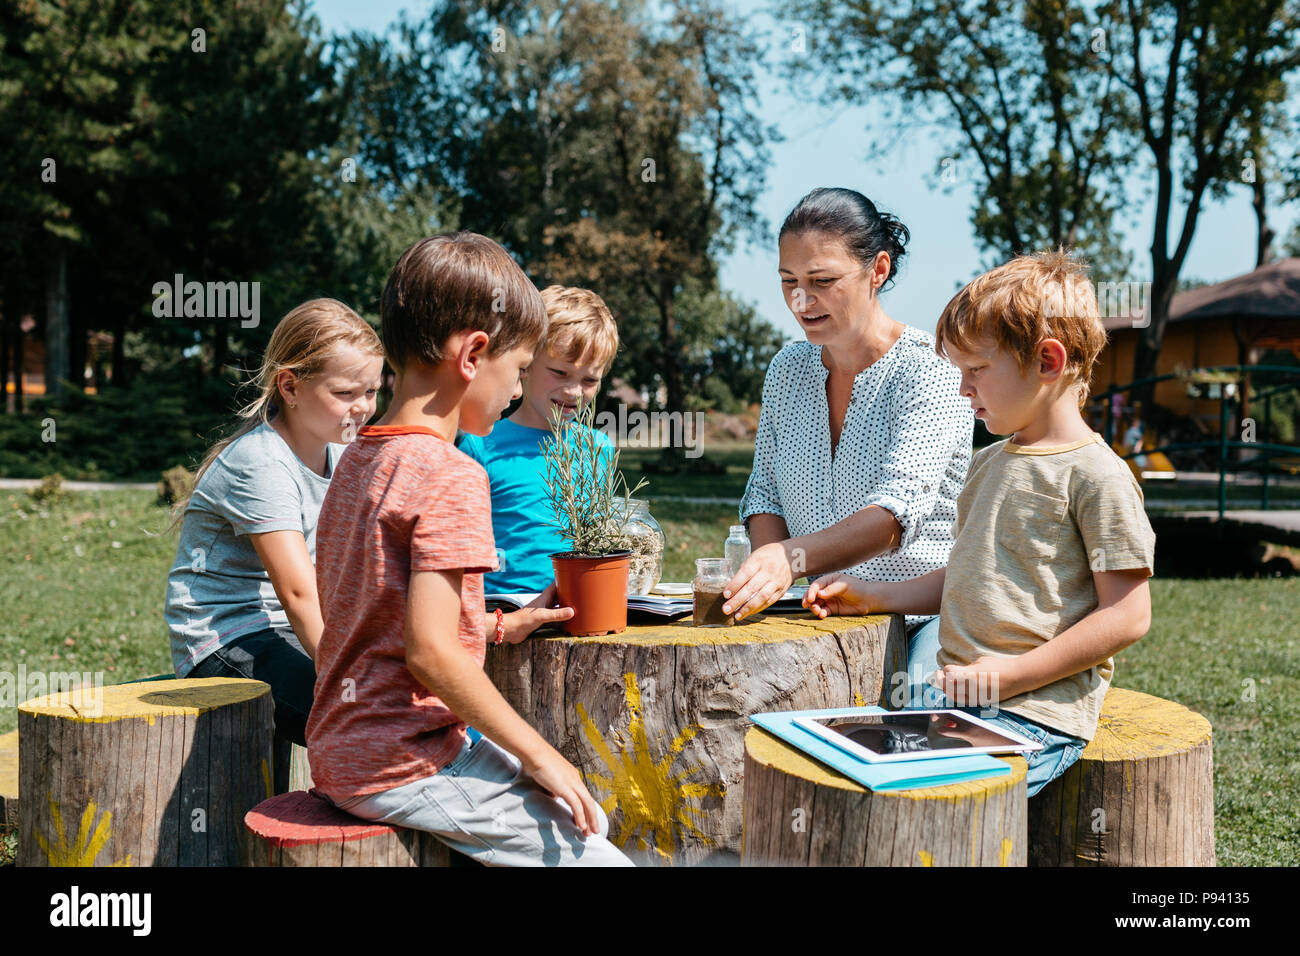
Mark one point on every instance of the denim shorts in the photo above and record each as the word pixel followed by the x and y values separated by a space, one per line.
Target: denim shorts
pixel 277 658
pixel 483 805
pixel 1059 751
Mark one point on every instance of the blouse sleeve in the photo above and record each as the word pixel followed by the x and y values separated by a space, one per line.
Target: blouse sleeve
pixel 761 495
pixel 932 421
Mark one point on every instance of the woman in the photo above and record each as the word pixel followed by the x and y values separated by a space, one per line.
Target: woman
pixel 864 438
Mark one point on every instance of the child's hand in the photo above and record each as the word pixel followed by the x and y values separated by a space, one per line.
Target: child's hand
pixel 981 683
pixel 519 624
pixel 562 780
pixel 837 594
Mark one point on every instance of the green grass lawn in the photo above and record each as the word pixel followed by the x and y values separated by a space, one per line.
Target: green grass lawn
pixel 81 587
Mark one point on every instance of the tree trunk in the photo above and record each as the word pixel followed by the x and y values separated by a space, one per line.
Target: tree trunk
pixel 668 333
pixel 158 773
pixel 220 346
pixel 56 323
pixel 6 337
pixel 117 374
pixel 77 345
pixel 303 829
pixel 1264 235
pixel 9 779
pixel 1147 354
pixel 655 717
pixel 798 812
pixel 19 361
pixel 1141 795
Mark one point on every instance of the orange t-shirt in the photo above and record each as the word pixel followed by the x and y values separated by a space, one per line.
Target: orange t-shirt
pixel 402 499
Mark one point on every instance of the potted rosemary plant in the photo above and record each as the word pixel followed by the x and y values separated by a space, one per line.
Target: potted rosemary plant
pixel 590 498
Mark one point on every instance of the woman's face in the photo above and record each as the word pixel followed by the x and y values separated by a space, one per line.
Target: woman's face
pixel 826 287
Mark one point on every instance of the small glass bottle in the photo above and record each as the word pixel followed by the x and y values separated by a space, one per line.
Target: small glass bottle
pixel 711 576
pixel 737 547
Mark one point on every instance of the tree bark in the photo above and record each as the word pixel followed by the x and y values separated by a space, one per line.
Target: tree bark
pixel 56 323
pixel 799 812
pixel 158 773
pixel 1141 795
pixel 6 323
pixel 1264 234
pixel 303 829
pixel 655 717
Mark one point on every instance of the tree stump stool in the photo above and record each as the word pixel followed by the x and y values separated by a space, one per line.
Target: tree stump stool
pixel 292 771
pixel 153 774
pixel 1142 794
pixel 305 829
pixel 655 717
pixel 9 779
pixel 799 812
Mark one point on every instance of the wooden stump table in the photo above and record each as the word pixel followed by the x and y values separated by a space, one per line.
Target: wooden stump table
pixel 799 812
pixel 158 773
pixel 1142 794
pixel 655 716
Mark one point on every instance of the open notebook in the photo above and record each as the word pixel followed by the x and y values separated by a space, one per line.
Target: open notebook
pixel 662 605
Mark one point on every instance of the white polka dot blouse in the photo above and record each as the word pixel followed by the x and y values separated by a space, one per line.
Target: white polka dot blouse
pixel 905 446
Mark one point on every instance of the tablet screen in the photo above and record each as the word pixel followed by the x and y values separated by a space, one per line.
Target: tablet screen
pixel 912 734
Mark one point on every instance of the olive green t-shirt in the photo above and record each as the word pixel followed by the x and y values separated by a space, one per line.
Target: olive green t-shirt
pixel 1033 524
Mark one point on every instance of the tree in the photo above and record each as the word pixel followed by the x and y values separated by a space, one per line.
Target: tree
pixel 1032 112
pixel 605 148
pixel 1198 75
pixel 69 95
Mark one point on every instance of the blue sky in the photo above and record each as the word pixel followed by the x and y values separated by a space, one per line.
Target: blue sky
pixel 826 147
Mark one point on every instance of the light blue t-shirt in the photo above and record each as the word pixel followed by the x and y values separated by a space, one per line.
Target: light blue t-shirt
pixel 218 590
pixel 522 515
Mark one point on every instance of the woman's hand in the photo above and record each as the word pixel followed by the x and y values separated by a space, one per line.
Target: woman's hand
pixel 519 624
pixel 763 578
pixel 840 594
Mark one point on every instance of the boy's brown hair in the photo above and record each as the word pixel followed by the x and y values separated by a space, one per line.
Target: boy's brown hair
pixel 1046 295
pixel 581 329
pixel 452 282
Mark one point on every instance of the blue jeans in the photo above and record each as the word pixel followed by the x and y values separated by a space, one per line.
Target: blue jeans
pixel 484 806
pixel 276 658
pixel 1059 751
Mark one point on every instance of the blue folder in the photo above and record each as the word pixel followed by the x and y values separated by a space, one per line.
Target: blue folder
pixel 903 775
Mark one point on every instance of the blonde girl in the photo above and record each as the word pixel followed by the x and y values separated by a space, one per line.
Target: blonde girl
pixel 241 595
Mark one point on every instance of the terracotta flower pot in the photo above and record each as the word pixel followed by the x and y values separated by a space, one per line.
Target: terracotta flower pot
pixel 596 589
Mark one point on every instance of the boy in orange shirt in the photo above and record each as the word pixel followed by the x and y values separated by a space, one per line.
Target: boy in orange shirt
pixel 404 537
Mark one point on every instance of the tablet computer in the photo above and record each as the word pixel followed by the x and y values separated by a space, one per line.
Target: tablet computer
pixel 915 735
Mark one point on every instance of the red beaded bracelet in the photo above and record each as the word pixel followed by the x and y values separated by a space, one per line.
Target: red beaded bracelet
pixel 501 628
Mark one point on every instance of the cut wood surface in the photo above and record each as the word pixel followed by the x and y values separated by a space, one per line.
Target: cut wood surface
pixel 9 779
pixel 655 717
pixel 304 829
pixel 799 812
pixel 1142 794
pixel 155 773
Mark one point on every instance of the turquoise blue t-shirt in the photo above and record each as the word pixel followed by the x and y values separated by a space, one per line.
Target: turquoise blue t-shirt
pixel 522 515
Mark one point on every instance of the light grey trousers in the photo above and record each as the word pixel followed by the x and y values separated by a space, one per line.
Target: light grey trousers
pixel 484 806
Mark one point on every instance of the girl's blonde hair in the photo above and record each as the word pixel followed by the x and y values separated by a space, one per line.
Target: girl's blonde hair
pixel 302 343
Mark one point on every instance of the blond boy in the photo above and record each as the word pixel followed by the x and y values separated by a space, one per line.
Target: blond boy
pixel 1047 579
pixel 566 371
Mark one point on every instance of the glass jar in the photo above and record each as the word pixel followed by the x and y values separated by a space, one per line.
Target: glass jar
pixel 737 546
pixel 711 576
pixel 647 546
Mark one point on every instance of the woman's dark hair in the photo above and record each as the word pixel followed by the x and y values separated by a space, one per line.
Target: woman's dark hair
pixel 853 219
